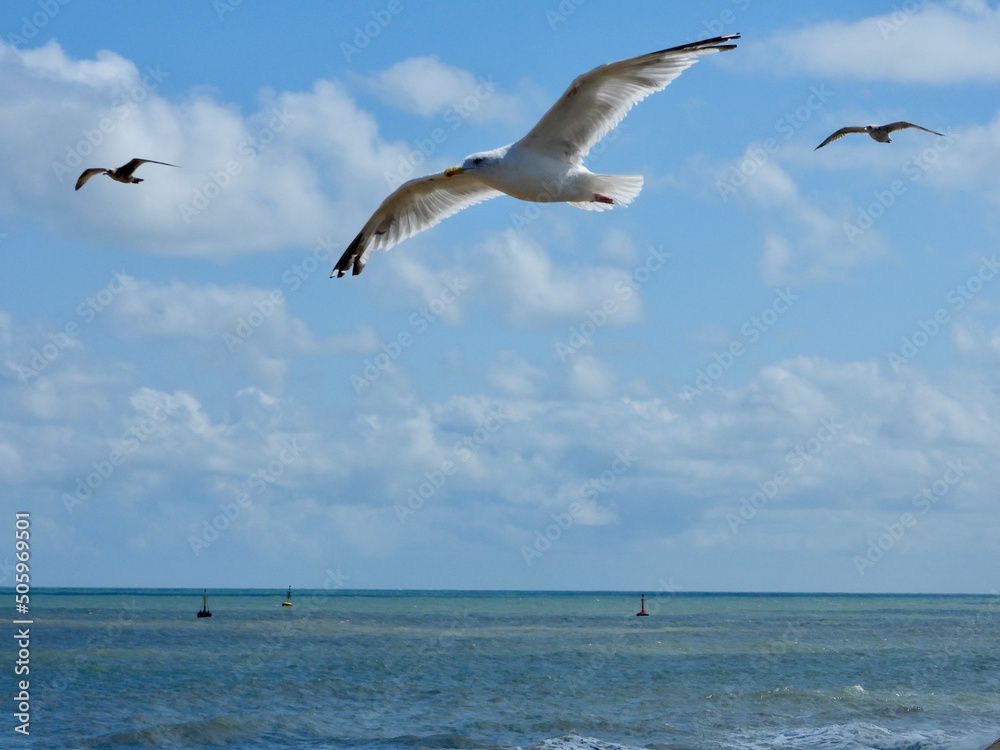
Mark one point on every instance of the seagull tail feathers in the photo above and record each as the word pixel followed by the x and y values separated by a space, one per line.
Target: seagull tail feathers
pixel 621 189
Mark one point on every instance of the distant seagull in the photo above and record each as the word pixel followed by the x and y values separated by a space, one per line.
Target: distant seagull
pixel 879 132
pixel 546 165
pixel 122 174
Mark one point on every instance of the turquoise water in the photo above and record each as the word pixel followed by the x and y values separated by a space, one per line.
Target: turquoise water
pixel 560 671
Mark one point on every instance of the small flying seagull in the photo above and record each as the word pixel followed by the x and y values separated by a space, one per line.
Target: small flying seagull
pixel 546 165
pixel 879 132
pixel 122 174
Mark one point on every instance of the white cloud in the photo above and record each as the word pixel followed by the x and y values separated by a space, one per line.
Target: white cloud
pixel 67 390
pixel 430 294
pixel 802 242
pixel 514 376
pixel 974 341
pixel 850 435
pixel 235 328
pixel 209 312
pixel 617 245
pixel 278 177
pixel 590 378
pixel 536 291
pixel 428 87
pixel 958 163
pixel 181 310
pixel 108 70
pixel 935 44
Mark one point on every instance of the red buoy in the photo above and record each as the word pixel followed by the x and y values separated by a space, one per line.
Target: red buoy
pixel 642 610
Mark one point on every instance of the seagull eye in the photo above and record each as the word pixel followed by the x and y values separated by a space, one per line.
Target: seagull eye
pixel 478 160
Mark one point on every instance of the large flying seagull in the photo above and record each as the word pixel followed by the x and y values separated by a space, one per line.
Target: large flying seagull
pixel 122 174
pixel 544 166
pixel 879 132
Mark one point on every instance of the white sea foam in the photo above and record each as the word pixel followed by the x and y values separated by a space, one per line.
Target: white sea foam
pixel 576 742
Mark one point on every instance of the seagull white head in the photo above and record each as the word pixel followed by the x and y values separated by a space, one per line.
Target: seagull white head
pixel 479 162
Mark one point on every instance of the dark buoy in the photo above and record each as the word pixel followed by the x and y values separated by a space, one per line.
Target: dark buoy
pixel 204 605
pixel 288 598
pixel 642 609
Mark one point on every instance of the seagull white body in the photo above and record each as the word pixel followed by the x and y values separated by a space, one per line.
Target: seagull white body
pixel 121 174
pixel 879 132
pixel 523 173
pixel 546 165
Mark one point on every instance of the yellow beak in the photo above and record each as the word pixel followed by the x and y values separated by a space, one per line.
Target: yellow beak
pixel 452 171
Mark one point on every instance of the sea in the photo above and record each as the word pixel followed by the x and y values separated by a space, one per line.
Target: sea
pixel 401 670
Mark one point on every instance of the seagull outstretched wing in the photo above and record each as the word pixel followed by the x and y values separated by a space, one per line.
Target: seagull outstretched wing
pixel 902 124
pixel 840 134
pixel 129 168
pixel 87 174
pixel 413 207
pixel 597 101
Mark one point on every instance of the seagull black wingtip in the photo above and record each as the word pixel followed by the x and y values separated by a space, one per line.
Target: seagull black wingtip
pixel 715 42
pixel 351 256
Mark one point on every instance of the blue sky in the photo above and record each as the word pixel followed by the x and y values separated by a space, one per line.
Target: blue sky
pixel 775 371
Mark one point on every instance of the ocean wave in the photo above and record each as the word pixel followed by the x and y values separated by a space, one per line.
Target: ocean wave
pixel 217 731
pixel 849 736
